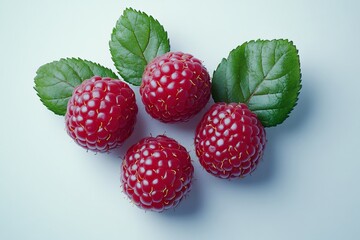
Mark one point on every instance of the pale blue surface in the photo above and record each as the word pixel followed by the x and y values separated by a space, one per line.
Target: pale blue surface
pixel 307 186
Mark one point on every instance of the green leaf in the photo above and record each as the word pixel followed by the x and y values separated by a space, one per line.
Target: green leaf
pixel 263 74
pixel 135 41
pixel 55 81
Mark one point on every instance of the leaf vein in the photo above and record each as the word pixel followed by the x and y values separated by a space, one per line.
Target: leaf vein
pixel 268 109
pixel 74 71
pixel 278 78
pixel 56 83
pixel 257 87
pixel 277 61
pixel 263 94
pixel 132 31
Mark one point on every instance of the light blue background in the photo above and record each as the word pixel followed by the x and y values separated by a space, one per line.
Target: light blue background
pixel 307 186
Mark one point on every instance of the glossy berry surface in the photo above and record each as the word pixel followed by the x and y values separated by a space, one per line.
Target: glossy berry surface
pixel 175 86
pixel 101 113
pixel 157 173
pixel 230 140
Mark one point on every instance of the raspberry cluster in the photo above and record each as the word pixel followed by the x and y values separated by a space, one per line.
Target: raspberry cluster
pixel 229 141
pixel 157 172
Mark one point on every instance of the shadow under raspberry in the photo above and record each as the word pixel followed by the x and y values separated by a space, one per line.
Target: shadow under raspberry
pixel 191 205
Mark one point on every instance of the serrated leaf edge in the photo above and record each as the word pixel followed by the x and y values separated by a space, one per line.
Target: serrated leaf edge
pixel 134 81
pixel 65 60
pixel 300 77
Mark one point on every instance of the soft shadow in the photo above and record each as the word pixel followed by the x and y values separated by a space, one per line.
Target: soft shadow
pixel 190 125
pixel 191 205
pixel 266 170
pixel 140 131
pixel 300 115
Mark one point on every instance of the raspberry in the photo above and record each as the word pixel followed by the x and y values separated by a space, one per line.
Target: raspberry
pixel 230 140
pixel 101 113
pixel 175 86
pixel 157 173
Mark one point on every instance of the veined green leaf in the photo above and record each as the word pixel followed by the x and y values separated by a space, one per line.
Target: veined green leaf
pixel 55 81
pixel 135 41
pixel 263 74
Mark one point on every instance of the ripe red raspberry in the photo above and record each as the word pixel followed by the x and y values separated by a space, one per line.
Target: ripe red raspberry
pixel 101 113
pixel 157 173
pixel 230 140
pixel 175 86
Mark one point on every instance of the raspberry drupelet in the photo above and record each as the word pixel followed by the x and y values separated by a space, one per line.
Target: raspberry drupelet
pixel 175 87
pixel 157 173
pixel 101 113
pixel 230 140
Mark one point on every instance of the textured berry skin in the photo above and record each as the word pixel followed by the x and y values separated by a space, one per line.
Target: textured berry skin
pixel 230 140
pixel 101 113
pixel 175 86
pixel 157 173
